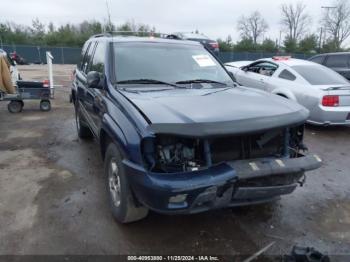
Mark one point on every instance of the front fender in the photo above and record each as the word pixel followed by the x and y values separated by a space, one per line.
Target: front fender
pixel 113 131
pixel 126 138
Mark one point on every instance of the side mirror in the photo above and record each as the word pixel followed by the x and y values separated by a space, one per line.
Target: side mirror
pixel 244 68
pixel 93 79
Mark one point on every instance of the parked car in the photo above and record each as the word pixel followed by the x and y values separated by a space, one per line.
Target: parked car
pixel 210 44
pixel 176 133
pixel 321 90
pixel 238 64
pixel 18 59
pixel 339 62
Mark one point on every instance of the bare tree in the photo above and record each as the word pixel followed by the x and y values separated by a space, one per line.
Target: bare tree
pixel 295 20
pixel 252 27
pixel 336 22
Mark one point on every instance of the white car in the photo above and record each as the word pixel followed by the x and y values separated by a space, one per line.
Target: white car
pixel 321 90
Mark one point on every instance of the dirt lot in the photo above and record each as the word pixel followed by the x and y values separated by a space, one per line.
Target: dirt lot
pixel 53 199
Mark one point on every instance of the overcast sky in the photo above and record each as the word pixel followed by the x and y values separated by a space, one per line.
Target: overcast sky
pixel 215 18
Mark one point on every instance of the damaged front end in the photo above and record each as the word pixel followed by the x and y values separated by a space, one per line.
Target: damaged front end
pixel 187 174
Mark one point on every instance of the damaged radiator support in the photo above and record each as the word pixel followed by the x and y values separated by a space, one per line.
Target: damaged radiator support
pixel 272 143
pixel 286 142
pixel 207 152
pixel 176 154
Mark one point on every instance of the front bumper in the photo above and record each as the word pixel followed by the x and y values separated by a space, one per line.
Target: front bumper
pixel 235 183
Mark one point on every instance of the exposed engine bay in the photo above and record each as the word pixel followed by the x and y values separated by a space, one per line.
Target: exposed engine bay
pixel 170 154
pixel 183 154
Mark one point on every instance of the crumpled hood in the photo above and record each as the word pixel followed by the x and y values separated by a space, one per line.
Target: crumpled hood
pixel 192 107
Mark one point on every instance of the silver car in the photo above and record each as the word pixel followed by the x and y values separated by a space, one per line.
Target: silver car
pixel 321 90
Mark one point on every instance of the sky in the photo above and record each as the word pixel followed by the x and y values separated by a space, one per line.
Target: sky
pixel 214 18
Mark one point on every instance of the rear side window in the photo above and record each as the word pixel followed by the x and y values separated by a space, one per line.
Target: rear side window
pixel 83 53
pixel 337 61
pixel 320 75
pixel 87 58
pixel 285 74
pixel 317 59
pixel 98 61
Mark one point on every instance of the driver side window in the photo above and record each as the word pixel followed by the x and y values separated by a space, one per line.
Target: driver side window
pixel 263 68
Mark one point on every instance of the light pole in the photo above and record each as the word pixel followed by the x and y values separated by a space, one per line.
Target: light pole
pixel 325 29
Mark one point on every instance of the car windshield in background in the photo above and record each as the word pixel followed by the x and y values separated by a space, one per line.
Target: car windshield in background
pixel 320 75
pixel 168 63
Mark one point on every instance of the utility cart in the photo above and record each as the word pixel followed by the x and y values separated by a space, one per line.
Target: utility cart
pixel 32 90
pixel 29 90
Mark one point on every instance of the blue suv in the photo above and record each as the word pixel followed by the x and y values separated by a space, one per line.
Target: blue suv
pixel 177 134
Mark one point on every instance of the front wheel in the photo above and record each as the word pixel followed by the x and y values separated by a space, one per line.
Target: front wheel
pixel 45 105
pixel 121 199
pixel 15 106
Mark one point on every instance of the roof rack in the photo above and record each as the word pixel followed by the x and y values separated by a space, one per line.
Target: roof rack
pixel 136 33
pixel 101 35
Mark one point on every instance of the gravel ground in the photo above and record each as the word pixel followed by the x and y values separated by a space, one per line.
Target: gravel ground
pixel 53 198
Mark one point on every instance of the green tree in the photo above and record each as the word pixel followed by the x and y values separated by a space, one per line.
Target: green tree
pixel 308 44
pixel 73 35
pixel 268 45
pixel 225 46
pixel 38 31
pixel 290 45
pixel 246 44
pixel 331 45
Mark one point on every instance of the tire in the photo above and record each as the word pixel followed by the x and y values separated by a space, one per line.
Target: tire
pixel 84 132
pixel 15 106
pixel 45 105
pixel 120 197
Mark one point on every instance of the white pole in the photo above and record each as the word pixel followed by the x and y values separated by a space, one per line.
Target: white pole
pixel 49 58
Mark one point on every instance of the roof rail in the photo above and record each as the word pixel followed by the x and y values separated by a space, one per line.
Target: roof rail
pixel 137 33
pixel 101 35
pixel 141 34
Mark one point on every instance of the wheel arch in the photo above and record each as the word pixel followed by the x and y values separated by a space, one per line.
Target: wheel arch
pixel 110 132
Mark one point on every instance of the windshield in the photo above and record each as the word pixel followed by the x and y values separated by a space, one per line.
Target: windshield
pixel 320 75
pixel 168 63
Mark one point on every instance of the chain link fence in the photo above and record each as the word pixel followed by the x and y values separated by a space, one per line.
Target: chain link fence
pixel 71 55
pixel 37 54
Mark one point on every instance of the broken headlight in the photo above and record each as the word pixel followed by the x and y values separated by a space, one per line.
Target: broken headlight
pixel 169 154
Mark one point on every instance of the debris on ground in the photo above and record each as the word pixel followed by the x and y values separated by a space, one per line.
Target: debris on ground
pixel 305 254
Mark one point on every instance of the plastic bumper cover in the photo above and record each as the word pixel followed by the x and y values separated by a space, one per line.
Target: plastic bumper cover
pixel 217 186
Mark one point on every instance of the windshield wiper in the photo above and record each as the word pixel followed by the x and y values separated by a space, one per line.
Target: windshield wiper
pixel 147 82
pixel 193 81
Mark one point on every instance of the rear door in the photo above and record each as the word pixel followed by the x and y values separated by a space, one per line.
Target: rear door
pixel 82 84
pixel 93 102
pixel 339 63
